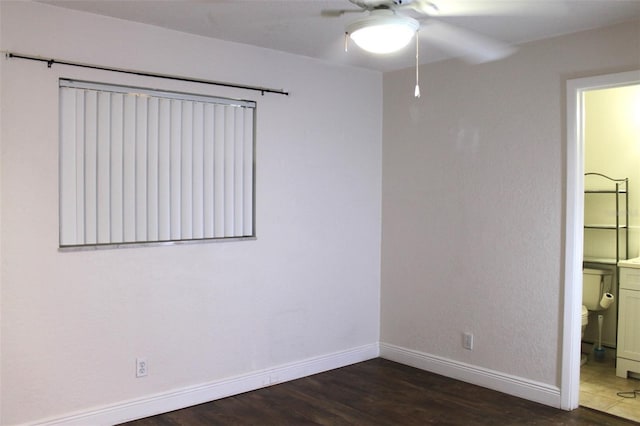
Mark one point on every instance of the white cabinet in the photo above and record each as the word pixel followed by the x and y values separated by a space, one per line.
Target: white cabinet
pixel 628 348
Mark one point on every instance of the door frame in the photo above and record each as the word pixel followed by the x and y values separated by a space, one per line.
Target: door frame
pixel 574 223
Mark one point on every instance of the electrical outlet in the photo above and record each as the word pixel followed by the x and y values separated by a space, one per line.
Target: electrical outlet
pixel 467 341
pixel 142 368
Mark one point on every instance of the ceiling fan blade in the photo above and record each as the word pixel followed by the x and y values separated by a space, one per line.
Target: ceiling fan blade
pixel 424 7
pixel 470 46
pixel 492 8
pixel 336 13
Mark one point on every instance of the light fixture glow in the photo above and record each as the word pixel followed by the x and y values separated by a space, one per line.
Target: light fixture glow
pixel 383 31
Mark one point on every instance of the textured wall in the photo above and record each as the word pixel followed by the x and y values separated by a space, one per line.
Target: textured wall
pixel 74 322
pixel 473 195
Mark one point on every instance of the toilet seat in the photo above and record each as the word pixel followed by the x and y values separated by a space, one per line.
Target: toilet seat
pixel 585 321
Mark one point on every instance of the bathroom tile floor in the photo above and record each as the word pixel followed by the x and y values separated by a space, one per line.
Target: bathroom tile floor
pixel 599 386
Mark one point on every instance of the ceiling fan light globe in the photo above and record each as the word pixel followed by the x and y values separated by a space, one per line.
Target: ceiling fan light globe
pixel 383 33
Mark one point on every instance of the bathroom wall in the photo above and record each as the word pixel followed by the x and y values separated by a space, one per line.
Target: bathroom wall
pixel 304 293
pixel 612 147
pixel 473 207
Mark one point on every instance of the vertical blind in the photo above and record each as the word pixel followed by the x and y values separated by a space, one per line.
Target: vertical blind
pixel 140 166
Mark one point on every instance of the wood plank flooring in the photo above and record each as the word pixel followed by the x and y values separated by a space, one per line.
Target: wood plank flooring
pixel 376 392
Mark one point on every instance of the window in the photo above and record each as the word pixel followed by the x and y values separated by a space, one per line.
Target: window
pixel 140 166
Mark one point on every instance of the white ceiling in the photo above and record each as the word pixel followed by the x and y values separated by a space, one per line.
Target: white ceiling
pixel 296 26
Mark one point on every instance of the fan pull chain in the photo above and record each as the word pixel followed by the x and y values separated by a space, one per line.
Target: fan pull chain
pixel 346 42
pixel 417 90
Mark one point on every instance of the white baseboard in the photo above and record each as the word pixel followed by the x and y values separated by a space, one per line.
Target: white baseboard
pixel 501 382
pixel 186 397
pixel 193 395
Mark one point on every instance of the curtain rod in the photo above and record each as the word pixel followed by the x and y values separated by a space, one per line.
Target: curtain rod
pixel 50 62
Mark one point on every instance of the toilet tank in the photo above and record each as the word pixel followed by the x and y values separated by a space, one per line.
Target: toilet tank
pixel 595 282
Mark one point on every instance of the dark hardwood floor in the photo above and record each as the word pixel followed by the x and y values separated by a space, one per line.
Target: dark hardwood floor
pixel 376 392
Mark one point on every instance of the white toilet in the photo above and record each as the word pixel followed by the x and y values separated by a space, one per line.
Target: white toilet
pixel 585 318
pixel 595 284
pixel 596 288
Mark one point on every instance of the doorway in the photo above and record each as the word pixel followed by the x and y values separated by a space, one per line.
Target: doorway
pixel 574 214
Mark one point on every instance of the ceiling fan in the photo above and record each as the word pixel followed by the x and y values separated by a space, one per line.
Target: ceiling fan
pixel 391 24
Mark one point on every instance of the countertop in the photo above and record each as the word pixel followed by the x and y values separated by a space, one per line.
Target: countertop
pixel 630 263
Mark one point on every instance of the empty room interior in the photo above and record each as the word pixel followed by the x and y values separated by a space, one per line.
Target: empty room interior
pixel 353 220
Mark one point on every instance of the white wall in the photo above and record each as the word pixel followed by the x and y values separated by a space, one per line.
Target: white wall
pixel 612 147
pixel 74 322
pixel 474 182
